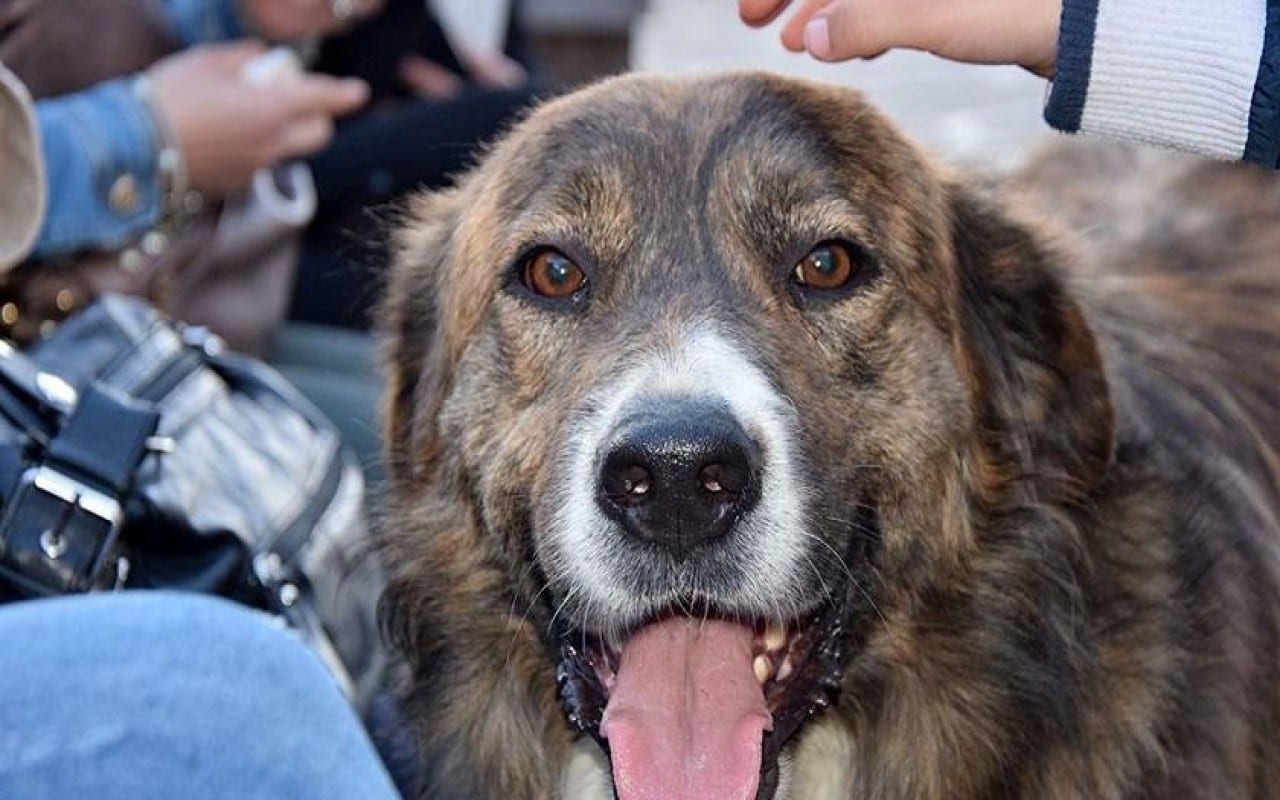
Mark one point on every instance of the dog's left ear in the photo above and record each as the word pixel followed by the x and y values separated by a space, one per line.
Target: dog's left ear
pixel 417 370
pixel 1033 366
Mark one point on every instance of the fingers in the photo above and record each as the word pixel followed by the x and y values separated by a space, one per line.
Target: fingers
pixel 318 94
pixel 759 13
pixel 495 70
pixel 862 28
pixel 845 29
pixel 1023 32
pixel 305 137
pixel 428 79
pixel 793 31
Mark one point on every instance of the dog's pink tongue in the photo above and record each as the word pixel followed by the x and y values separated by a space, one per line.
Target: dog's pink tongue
pixel 686 717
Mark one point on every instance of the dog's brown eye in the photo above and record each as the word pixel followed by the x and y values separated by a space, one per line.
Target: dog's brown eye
pixel 551 274
pixel 827 266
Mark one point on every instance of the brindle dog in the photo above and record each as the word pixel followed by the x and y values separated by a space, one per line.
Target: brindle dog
pixel 739 451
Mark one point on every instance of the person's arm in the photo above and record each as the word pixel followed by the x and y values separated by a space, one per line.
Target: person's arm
pixel 99 152
pixel 102 147
pixel 1196 75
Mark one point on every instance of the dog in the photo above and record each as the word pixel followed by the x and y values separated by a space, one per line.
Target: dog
pixel 738 450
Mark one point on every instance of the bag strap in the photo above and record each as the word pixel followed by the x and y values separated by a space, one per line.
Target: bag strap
pixel 61 518
pixel 104 439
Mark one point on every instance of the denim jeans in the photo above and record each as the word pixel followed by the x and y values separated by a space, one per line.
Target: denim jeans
pixel 146 695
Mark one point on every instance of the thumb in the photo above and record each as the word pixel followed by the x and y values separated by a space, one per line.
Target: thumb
pixel 864 28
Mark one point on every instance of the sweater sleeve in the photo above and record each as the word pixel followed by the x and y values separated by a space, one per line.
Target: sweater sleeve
pixel 1195 75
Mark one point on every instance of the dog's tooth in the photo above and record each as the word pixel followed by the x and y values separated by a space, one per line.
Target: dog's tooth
pixel 775 636
pixel 784 671
pixel 763 668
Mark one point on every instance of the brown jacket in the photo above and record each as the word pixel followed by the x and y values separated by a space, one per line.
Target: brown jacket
pixel 22 188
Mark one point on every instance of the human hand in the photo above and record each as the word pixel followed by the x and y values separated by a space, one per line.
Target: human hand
pixel 227 128
pixel 1023 32
pixel 280 20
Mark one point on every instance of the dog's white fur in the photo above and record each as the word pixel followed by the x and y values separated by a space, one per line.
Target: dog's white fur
pixel 768 543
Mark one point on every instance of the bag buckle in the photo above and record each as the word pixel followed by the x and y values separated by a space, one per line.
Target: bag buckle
pixel 57 533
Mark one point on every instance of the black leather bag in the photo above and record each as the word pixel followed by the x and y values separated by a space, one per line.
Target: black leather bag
pixel 138 453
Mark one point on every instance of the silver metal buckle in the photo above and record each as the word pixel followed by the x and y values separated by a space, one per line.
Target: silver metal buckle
pixel 74 493
pixel 94 517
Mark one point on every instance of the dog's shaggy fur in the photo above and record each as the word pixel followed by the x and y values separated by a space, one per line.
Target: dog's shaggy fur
pixel 1062 449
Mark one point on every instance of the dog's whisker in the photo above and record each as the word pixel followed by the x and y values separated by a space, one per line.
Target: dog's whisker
pixel 853 580
pixel 865 533
pixel 551 624
pixel 826 589
pixel 515 595
pixel 515 632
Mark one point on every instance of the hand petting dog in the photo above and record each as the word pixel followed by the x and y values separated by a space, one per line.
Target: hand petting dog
pixel 1023 32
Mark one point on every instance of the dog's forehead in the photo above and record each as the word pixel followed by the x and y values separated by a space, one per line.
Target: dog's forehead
pixel 721 181
pixel 663 141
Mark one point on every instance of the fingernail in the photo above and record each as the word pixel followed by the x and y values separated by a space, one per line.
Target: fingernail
pixel 817 38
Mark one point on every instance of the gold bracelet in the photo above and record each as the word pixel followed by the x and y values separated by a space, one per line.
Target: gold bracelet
pixel 178 201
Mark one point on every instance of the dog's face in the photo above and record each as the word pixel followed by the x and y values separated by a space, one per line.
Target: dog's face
pixel 711 364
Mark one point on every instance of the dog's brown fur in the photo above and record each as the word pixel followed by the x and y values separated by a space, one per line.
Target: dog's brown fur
pixel 1070 442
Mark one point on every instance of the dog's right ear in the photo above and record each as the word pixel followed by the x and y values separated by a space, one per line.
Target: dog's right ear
pixel 414 362
pixel 1034 368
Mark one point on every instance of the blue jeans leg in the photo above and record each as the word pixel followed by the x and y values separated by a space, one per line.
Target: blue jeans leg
pixel 146 695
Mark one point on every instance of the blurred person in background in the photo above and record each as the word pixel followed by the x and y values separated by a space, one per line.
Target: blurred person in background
pixel 102 145
pixel 150 128
pixel 152 694
pixel 438 95
pixel 125 156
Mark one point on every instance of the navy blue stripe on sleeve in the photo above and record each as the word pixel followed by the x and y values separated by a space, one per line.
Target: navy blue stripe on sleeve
pixel 1263 145
pixel 1075 59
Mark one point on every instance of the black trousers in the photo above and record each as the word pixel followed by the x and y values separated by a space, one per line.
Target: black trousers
pixel 401 145
pixel 373 162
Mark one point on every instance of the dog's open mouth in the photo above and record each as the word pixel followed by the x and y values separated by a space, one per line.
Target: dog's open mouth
pixel 701 707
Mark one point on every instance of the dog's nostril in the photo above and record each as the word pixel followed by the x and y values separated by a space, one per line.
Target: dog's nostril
pixel 627 483
pixel 729 477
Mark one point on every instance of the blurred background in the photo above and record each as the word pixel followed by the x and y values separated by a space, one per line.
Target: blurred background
pixel 968 114
pixel 291 269
pixel 988 117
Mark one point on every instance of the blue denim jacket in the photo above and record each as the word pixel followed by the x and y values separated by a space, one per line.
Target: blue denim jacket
pixel 100 149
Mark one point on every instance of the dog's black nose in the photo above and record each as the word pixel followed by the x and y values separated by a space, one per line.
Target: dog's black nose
pixel 680 475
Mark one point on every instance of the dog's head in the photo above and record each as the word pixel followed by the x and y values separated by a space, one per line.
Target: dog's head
pixel 724 373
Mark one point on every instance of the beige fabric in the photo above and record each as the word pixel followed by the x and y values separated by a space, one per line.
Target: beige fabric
pixel 22 186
